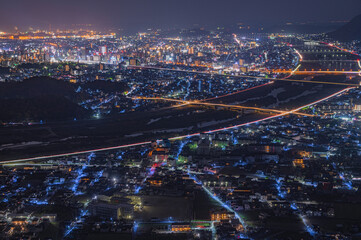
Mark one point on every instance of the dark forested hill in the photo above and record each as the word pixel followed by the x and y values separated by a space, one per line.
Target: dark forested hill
pixel 39 98
pixel 36 87
pixel 107 86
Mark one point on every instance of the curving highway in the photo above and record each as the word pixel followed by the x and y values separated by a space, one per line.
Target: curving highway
pixel 174 138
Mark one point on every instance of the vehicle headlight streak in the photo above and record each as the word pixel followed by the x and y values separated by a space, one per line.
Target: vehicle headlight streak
pixel 174 138
pixel 267 118
pixel 219 105
pixel 294 70
pixel 299 54
pixel 339 48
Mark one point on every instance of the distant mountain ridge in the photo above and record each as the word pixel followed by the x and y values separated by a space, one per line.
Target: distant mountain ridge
pixel 349 32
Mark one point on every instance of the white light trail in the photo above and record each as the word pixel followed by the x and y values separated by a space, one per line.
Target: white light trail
pixel 174 138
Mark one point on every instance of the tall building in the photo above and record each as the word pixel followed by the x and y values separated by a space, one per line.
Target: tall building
pixel 133 62
pixel 244 69
pixel 191 50
pixel 103 50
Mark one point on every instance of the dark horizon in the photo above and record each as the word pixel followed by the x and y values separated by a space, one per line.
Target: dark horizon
pixel 142 14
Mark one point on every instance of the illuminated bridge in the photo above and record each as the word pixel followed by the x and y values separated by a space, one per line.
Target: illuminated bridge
pixel 319 71
pixel 24 160
pixel 285 71
pixel 325 58
pixel 218 105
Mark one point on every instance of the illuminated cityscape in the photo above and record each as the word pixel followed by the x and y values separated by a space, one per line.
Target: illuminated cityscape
pixel 120 120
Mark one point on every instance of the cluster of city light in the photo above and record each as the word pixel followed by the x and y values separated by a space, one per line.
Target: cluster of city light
pixel 37 35
pixel 181 146
pixel 150 173
pixel 345 182
pixel 226 95
pixel 282 194
pixel 291 72
pixel 217 199
pixel 80 173
pixel 174 138
pixel 70 228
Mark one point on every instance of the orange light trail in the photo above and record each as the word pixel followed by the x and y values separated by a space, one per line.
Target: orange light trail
pixel 270 79
pixel 316 72
pixel 174 138
pixel 217 105
pixel 317 82
pixel 339 48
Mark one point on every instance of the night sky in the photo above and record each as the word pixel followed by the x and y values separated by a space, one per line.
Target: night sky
pixel 141 14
